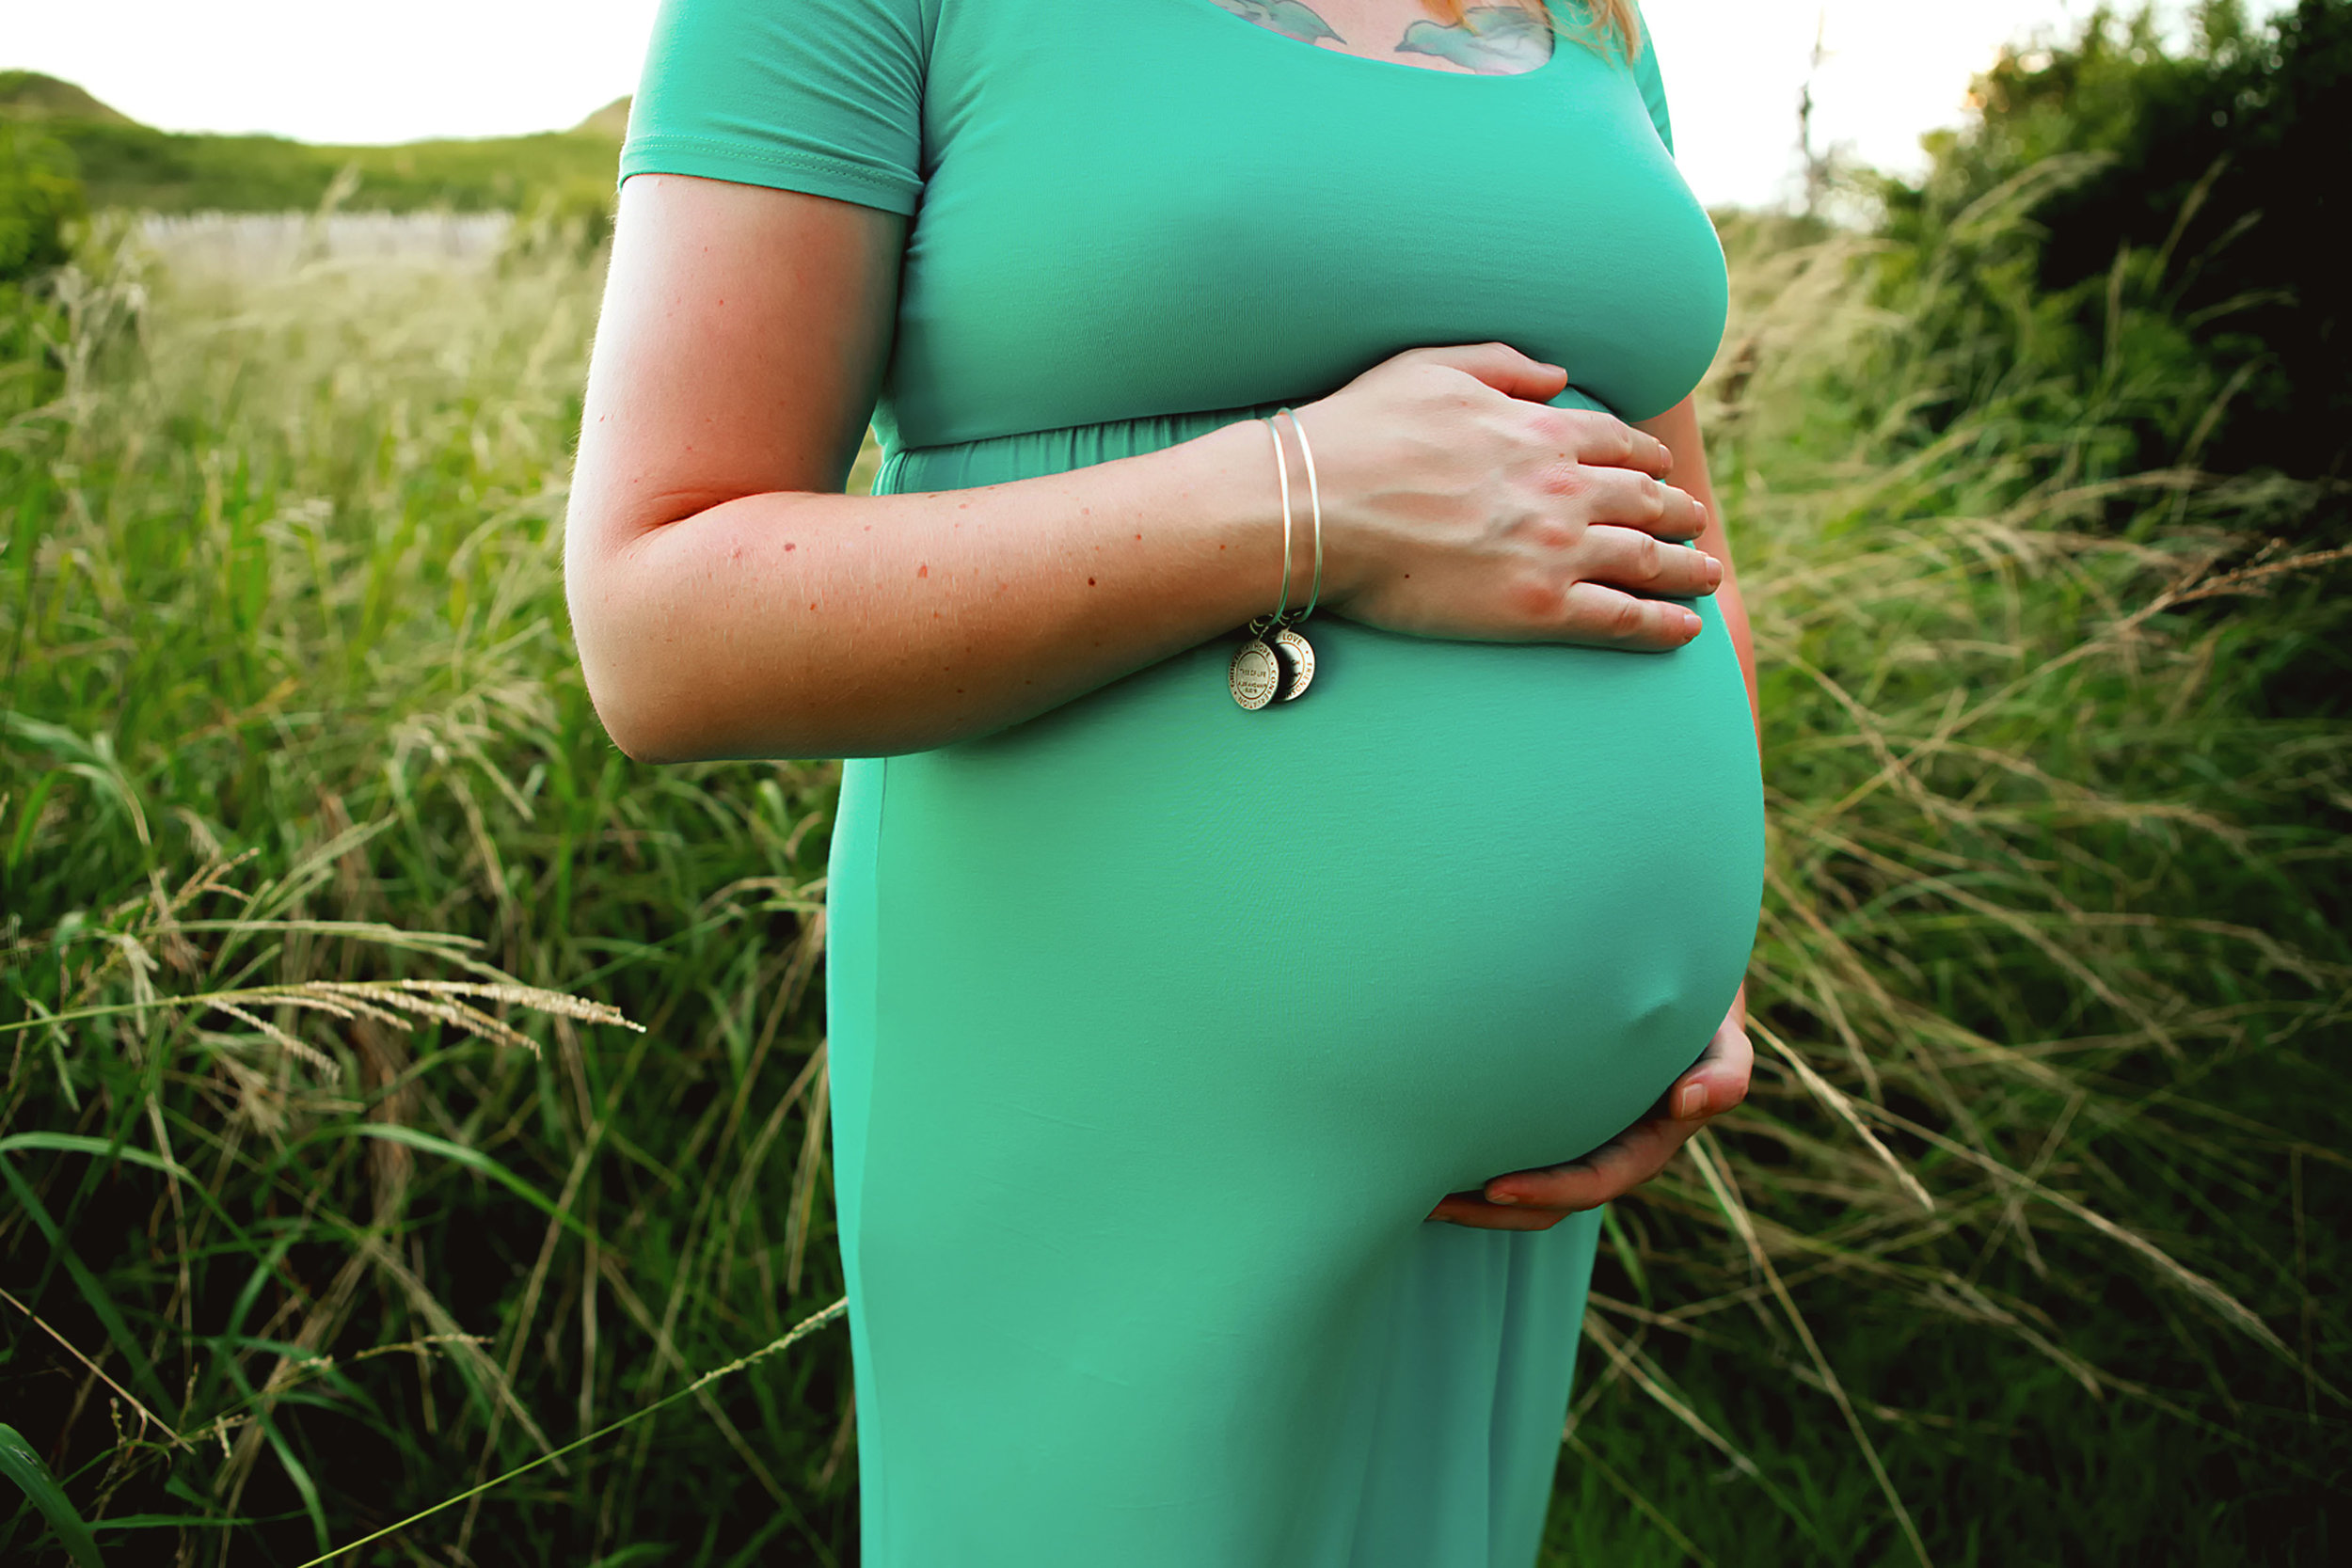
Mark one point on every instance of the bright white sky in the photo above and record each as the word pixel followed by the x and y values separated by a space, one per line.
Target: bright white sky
pixel 333 71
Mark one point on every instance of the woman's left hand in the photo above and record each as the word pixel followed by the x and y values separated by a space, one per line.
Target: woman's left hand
pixel 1539 1200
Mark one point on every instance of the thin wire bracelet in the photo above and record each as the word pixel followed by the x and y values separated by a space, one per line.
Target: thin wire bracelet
pixel 1283 476
pixel 1315 498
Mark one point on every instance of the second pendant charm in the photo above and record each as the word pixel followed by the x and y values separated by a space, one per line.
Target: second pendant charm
pixel 1298 663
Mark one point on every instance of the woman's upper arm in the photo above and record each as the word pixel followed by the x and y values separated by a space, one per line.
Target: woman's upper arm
pixel 739 351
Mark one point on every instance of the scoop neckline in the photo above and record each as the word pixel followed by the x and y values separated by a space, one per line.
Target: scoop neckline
pixel 1213 8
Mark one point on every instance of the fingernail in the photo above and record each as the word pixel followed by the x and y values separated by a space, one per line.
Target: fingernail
pixel 1501 1195
pixel 1714 572
pixel 1690 624
pixel 1691 1103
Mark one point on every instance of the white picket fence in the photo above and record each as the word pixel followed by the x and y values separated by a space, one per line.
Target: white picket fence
pixel 247 243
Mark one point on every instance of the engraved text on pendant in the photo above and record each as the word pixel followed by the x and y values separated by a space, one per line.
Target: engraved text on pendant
pixel 1255 674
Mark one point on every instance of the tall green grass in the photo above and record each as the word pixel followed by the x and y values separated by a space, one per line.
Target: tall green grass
pixel 290 700
pixel 2022 1252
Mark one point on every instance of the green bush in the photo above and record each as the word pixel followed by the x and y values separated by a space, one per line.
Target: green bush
pixel 41 201
pixel 2184 257
pixel 40 196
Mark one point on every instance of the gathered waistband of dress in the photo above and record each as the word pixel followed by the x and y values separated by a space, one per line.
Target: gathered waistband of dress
pixel 1028 454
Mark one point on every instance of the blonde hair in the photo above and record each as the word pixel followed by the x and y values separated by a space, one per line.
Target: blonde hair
pixel 1612 20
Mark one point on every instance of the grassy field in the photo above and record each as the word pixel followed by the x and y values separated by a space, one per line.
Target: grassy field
pixel 2023 1252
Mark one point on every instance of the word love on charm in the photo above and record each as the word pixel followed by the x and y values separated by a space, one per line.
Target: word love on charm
pixel 1298 663
pixel 1256 674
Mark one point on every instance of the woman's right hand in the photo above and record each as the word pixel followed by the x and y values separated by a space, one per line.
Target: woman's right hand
pixel 1456 503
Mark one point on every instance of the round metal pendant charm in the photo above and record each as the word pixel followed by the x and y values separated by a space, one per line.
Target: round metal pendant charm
pixel 1298 663
pixel 1255 674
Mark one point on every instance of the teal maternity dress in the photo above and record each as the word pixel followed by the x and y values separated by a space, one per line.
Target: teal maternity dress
pixel 1157 1027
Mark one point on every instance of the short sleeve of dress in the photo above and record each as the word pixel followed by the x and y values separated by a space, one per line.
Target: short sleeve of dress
pixel 821 96
pixel 1653 86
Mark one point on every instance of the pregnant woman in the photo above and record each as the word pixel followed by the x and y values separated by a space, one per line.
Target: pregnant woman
pixel 1203 1074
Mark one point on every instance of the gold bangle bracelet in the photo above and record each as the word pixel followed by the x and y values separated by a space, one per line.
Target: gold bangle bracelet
pixel 1257 675
pixel 1314 502
pixel 1292 650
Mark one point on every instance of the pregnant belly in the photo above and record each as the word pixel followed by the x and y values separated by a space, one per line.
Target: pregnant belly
pixel 1464 908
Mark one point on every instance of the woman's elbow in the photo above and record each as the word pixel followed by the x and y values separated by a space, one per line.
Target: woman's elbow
pixel 673 678
pixel 619 667
pixel 635 733
pixel 653 692
pixel 639 717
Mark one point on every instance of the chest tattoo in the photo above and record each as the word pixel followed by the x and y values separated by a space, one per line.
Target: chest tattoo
pixel 1493 39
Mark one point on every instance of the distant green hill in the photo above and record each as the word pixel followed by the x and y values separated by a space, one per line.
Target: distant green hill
pixel 30 95
pixel 611 120
pixel 125 164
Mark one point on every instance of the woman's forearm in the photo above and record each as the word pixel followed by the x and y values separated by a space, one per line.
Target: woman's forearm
pixel 806 624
